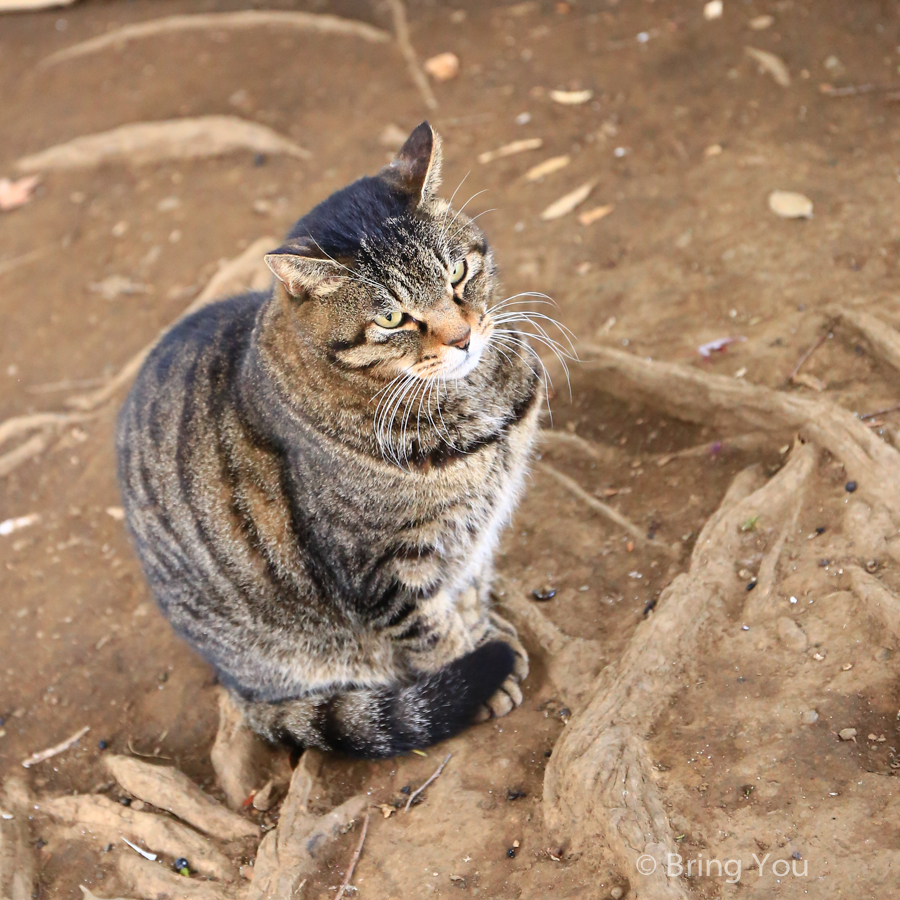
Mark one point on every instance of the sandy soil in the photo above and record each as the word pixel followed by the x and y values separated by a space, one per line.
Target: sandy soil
pixel 691 253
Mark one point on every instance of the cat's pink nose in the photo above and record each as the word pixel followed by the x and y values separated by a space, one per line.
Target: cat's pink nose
pixel 462 340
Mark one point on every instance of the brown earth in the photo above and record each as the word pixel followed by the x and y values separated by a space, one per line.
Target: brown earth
pixel 690 253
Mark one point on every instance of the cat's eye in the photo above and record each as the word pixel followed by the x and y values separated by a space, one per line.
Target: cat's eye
pixel 391 320
pixel 458 272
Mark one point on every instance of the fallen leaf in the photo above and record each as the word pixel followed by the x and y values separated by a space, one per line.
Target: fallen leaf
pixel 571 98
pixel 790 205
pixel 567 203
pixel 14 194
pixel 442 67
pixel 594 215
pixel 510 149
pixel 847 734
pixel 713 150
pixel 770 64
pixel 547 167
pixel 116 512
pixel 386 810
pixel 713 10
pixel 761 23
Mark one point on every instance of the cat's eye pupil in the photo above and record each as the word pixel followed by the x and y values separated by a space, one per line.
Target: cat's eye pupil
pixel 458 272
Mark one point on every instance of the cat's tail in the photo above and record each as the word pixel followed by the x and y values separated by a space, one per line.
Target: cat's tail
pixel 380 722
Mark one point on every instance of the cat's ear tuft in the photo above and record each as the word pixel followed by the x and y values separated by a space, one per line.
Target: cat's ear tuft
pixel 416 169
pixel 305 270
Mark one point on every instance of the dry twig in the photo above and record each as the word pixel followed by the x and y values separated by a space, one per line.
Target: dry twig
pixel 401 33
pixel 35 758
pixel 354 860
pixel 229 21
pixel 437 772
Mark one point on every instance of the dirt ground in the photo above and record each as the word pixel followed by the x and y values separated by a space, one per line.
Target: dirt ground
pixel 685 137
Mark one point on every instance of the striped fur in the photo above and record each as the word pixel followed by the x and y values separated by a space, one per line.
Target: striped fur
pixel 330 559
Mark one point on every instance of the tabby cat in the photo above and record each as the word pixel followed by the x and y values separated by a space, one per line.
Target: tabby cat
pixel 316 477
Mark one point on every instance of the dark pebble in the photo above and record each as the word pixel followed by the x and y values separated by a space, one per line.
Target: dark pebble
pixel 824 562
pixel 649 607
pixel 515 795
pixel 259 159
pixel 181 863
pixel 751 585
pixel 405 789
pixel 543 595
pixel 102 745
pixel 511 853
pixel 39 844
pixel 741 679
pixel 820 529
pixel 548 754
pixel 125 801
pixel 651 531
pixel 107 848
pixel 565 712
pixel 796 855
pixel 850 487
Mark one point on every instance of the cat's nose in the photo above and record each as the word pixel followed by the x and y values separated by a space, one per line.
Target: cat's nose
pixel 461 340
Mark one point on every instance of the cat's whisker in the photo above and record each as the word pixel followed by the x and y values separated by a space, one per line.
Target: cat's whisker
pixel 531 317
pixel 458 230
pixel 459 212
pixel 553 346
pixel 548 381
pixel 450 201
pixel 383 425
pixel 539 298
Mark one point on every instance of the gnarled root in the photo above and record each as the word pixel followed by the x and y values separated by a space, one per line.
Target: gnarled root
pixel 600 782
pixel 17 864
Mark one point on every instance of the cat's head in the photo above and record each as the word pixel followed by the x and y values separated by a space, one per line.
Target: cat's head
pixel 386 278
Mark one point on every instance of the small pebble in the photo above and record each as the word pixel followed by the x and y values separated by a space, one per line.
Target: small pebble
pixel 847 734
pixel 872 565
pixel 125 801
pixel 796 855
pixel 511 853
pixel 810 717
pixel 617 893
pixel 137 805
pixel 515 795
pixel 542 595
pixel 820 529
pixel 181 863
pixel 751 585
pixel 850 487
pixel 102 745
pixel 259 159
pixel 39 844
pixel 405 789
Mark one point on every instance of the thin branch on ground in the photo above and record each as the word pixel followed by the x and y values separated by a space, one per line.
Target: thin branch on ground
pixel 50 752
pixel 401 33
pixel 354 860
pixel 437 772
pixel 604 509
pixel 815 346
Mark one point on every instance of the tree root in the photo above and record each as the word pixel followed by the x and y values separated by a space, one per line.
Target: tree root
pixel 695 396
pixel 155 882
pixel 140 143
pixel 401 33
pixel 572 663
pixel 292 851
pixel 167 788
pixel 109 822
pixel 883 604
pixel 600 782
pixel 17 864
pixel 605 510
pixel 232 21
pixel 244 272
pixel 885 340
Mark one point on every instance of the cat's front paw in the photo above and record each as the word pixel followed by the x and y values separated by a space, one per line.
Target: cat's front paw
pixel 509 694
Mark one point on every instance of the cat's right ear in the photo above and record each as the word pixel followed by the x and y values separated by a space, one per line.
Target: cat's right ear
pixel 304 270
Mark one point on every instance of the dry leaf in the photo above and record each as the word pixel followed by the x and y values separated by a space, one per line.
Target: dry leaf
pixel 790 205
pixel 761 23
pixel 442 67
pixel 149 142
pixel 510 149
pixel 713 10
pixel 386 810
pixel 14 194
pixel 593 215
pixel 713 150
pixel 571 98
pixel 566 204
pixel 770 64
pixel 548 166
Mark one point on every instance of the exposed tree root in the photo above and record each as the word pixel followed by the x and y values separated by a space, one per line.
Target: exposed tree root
pixel 883 604
pixel 292 851
pixel 17 864
pixel 599 783
pixel 141 143
pixel 572 663
pixel 597 452
pixel 605 510
pixel 885 340
pixel 401 33
pixel 167 788
pixel 109 822
pixel 245 272
pixel 232 21
pixel 242 760
pixel 155 882
pixel 695 396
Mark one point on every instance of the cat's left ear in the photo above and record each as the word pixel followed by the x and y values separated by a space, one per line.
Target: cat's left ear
pixel 416 169
pixel 305 270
